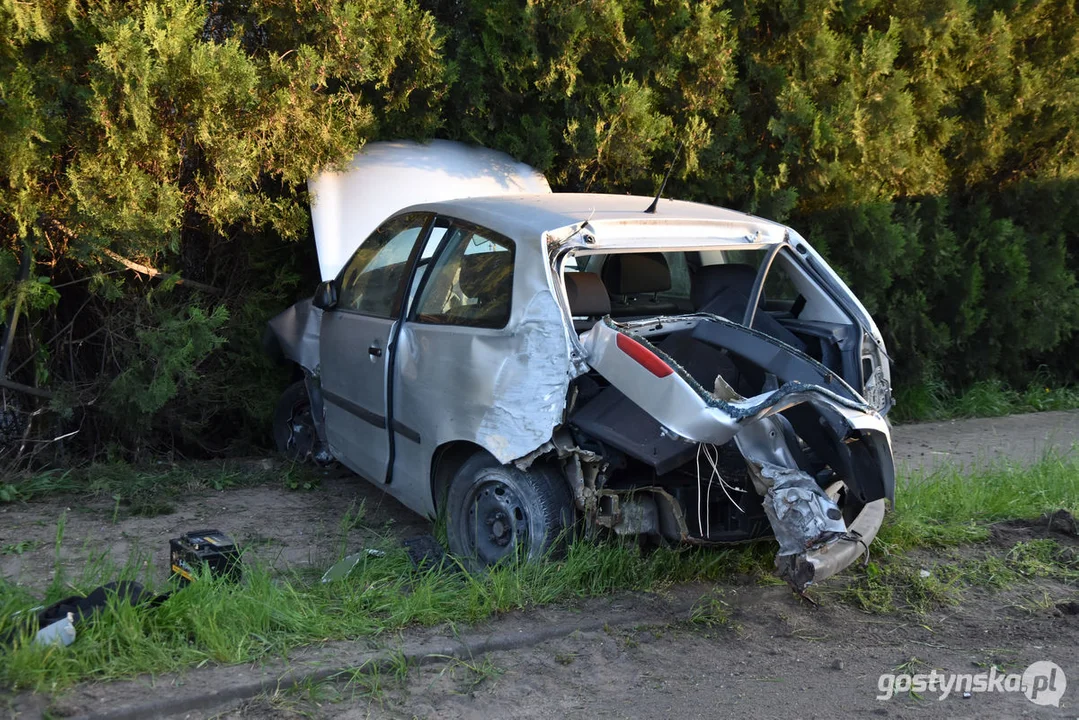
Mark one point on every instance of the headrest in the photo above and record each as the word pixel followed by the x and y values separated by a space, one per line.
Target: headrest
pixel 487 274
pixel 710 280
pixel 636 274
pixel 586 294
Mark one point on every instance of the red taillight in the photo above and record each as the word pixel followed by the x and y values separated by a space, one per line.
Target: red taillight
pixel 645 357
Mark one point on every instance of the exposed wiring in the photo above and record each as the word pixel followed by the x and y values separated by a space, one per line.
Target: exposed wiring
pixel 708 500
pixel 705 527
pixel 727 487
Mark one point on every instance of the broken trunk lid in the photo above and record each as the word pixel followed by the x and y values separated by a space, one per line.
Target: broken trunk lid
pixel 814 540
pixel 661 387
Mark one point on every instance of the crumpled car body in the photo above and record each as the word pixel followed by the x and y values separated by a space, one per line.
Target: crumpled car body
pixel 692 374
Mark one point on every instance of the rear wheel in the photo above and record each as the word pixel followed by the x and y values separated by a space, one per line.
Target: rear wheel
pixel 497 512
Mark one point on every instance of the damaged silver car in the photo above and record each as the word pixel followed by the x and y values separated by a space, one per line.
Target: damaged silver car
pixel 527 363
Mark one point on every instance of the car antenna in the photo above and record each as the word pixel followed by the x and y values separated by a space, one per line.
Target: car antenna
pixel 652 208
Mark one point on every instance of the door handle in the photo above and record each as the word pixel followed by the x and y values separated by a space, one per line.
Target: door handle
pixel 375 351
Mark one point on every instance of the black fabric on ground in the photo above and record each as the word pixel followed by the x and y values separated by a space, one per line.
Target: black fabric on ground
pixel 83 607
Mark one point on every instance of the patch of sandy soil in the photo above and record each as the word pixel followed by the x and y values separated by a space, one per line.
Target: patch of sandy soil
pixel 296 529
pixel 778 659
pixel 771 656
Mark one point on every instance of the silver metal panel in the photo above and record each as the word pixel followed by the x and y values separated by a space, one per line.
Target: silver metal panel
pixel 503 390
pixel 684 408
pixel 354 390
pixel 612 220
pixel 297 330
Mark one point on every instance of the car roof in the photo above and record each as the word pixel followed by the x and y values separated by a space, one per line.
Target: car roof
pixel 521 216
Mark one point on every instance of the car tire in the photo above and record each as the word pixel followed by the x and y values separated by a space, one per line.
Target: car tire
pixel 294 430
pixel 497 513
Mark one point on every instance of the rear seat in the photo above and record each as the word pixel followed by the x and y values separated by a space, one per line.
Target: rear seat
pixel 725 289
pixel 588 299
pixel 633 280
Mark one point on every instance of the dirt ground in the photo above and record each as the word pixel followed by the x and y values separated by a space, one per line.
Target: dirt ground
pixel 973 442
pixel 295 529
pixel 772 656
pixel 303 529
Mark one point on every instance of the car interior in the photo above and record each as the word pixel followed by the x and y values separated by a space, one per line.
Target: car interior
pixel 630 286
pixel 791 307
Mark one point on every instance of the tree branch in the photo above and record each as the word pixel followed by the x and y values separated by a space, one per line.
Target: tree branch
pixel 152 272
pixel 70 235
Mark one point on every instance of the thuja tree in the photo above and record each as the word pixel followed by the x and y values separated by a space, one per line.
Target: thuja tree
pixel 928 147
pixel 935 159
pixel 175 136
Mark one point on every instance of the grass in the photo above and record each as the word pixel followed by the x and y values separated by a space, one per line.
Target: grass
pixel 905 583
pixel 475 672
pixel 933 400
pixel 372 682
pixel 710 612
pixel 150 490
pixel 946 509
pixel 266 615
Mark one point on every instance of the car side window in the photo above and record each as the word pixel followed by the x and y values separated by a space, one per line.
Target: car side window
pixel 371 281
pixel 778 285
pixel 434 239
pixel 471 282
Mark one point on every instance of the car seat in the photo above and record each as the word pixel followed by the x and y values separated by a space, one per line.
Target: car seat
pixel 588 299
pixel 634 280
pixel 725 289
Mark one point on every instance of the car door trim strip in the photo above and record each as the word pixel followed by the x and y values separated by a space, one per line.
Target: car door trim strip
pixel 409 433
pixel 362 413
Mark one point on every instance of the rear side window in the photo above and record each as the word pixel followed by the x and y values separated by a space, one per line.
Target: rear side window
pixel 471 282
pixel 372 281
pixel 778 285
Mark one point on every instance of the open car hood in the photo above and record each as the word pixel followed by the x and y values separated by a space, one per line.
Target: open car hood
pixel 385 177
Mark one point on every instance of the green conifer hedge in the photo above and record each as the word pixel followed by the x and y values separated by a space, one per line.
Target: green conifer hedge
pixel 928 147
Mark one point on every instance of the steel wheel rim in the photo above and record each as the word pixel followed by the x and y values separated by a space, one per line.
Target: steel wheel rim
pixel 496 521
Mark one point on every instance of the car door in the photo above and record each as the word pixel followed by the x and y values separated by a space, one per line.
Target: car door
pixel 354 344
pixel 452 350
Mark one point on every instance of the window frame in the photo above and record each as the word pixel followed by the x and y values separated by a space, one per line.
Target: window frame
pixel 410 264
pixel 453 222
